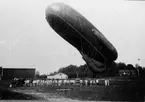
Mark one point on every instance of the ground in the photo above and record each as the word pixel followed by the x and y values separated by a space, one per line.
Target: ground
pixel 118 90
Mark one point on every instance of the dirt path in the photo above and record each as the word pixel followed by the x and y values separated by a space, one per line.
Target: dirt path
pixel 50 97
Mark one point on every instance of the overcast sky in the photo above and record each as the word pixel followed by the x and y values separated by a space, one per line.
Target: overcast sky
pixel 27 40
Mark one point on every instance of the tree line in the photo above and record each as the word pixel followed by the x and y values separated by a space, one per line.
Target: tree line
pixel 83 71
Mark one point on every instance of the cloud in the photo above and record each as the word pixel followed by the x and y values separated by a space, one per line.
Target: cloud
pixel 14 43
pixel 2 42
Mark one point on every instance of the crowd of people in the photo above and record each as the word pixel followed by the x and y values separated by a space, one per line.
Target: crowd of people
pixel 58 82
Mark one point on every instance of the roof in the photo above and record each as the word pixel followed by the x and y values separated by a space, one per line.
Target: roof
pixel 56 74
pixel 19 68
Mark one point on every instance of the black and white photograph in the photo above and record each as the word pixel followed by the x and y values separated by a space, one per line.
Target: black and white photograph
pixel 72 50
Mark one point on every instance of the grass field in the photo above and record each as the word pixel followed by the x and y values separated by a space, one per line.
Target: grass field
pixel 6 94
pixel 120 89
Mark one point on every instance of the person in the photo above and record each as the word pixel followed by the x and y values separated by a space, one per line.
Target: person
pixel 97 81
pixel 10 85
pixel 105 82
pixel 108 82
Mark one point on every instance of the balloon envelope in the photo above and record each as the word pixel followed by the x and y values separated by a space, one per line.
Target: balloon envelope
pixel 77 30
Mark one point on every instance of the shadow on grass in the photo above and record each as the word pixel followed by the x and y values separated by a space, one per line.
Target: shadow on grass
pixel 6 94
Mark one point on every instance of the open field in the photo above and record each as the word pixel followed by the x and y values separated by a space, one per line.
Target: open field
pixel 99 93
pixel 119 89
pixel 6 94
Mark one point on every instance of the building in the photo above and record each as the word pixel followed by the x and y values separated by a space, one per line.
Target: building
pixel 127 72
pixel 58 76
pixel 11 73
pixel 1 72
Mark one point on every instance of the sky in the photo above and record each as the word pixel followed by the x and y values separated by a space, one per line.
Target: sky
pixel 27 40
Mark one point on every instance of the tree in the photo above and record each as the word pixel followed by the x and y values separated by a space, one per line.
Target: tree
pixel 121 65
pixel 130 67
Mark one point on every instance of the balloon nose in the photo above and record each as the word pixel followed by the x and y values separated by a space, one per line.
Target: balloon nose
pixel 54 9
pixel 54 17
